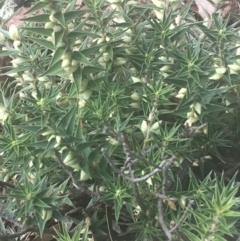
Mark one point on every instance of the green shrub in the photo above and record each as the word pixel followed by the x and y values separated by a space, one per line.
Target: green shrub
pixel 108 109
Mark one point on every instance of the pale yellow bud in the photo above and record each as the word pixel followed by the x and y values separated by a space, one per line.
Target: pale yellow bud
pixel 106 57
pixel 216 76
pixel 132 3
pixel 13 32
pixel 234 67
pixel 120 61
pixel 100 40
pixel 159 14
pixel 57 28
pixel 228 102
pixel 166 68
pixel 159 4
pixel 84 176
pixel 180 96
pixel 52 19
pixel 66 55
pixel 144 127
pixel 221 70
pixel 135 80
pixel 66 63
pixel 126 39
pixel 49 25
pixel 155 126
pixel 182 91
pixel 17 44
pixel 113 141
pixel 136 97
pixel 136 105
pixel 197 107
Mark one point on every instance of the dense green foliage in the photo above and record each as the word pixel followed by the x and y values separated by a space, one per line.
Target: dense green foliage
pixel 111 105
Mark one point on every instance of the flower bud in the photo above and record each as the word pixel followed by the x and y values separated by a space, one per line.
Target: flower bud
pixel 66 55
pixel 16 44
pixel 155 126
pixel 61 44
pixel 136 105
pixel 13 32
pixel 132 3
pixel 84 176
pixel 159 4
pixel 144 127
pixel 198 108
pixel 120 61
pixel 216 76
pixel 136 97
pixel 166 68
pixel 100 40
pixel 71 69
pixel 74 63
pixel 18 61
pixel 221 70
pixel 107 39
pixel 106 57
pixel 135 80
pixel 43 79
pixel 52 18
pixel 66 63
pixel 234 67
pixel 126 39
pixel 159 14
pixel 50 39
pixel 113 141
pixel 49 25
pixel 57 28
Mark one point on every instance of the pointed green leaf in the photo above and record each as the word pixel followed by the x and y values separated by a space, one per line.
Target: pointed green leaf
pixel 80 147
pixel 39 144
pixel 57 56
pixel 92 70
pixel 66 120
pixel 60 17
pixel 78 34
pixel 37 6
pixel 42 18
pixel 77 77
pixel 43 42
pixel 34 129
pixel 73 14
pixel 40 31
pixel 81 58
pixel 56 68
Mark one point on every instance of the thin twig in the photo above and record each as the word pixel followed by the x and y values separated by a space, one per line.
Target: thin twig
pixel 26 230
pixel 165 174
pixel 139 179
pixel 11 220
pixel 70 173
pixel 183 216
pixel 161 220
